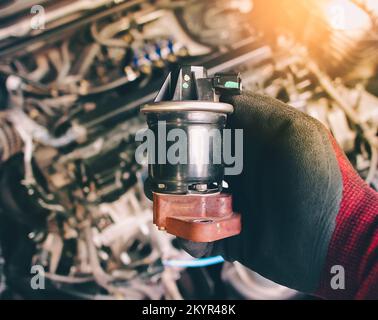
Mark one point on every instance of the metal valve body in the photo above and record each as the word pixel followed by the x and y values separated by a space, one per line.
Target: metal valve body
pixel 187 194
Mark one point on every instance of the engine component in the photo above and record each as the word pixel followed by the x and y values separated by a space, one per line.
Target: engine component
pixel 71 192
pixel 10 141
pixel 188 101
pixel 197 218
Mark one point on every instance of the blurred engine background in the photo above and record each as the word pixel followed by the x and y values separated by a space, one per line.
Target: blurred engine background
pixel 73 75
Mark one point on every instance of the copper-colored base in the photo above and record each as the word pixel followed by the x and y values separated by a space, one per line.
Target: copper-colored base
pixel 199 218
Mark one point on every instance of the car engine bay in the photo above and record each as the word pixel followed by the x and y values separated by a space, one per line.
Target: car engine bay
pixel 71 193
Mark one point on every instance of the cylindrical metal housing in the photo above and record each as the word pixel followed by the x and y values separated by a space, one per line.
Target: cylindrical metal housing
pixel 191 134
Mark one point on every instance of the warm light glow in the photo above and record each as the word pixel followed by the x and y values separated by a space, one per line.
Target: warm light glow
pixel 345 15
pixel 372 5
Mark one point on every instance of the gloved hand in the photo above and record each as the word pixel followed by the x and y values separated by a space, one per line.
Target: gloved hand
pixel 289 194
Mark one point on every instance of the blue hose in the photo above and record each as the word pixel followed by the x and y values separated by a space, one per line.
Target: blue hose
pixel 195 263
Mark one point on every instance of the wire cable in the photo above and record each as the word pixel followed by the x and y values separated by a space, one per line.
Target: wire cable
pixel 195 263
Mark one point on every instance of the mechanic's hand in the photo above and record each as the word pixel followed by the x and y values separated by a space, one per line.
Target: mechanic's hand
pixel 288 194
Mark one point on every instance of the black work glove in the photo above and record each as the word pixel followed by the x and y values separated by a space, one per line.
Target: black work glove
pixel 288 194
